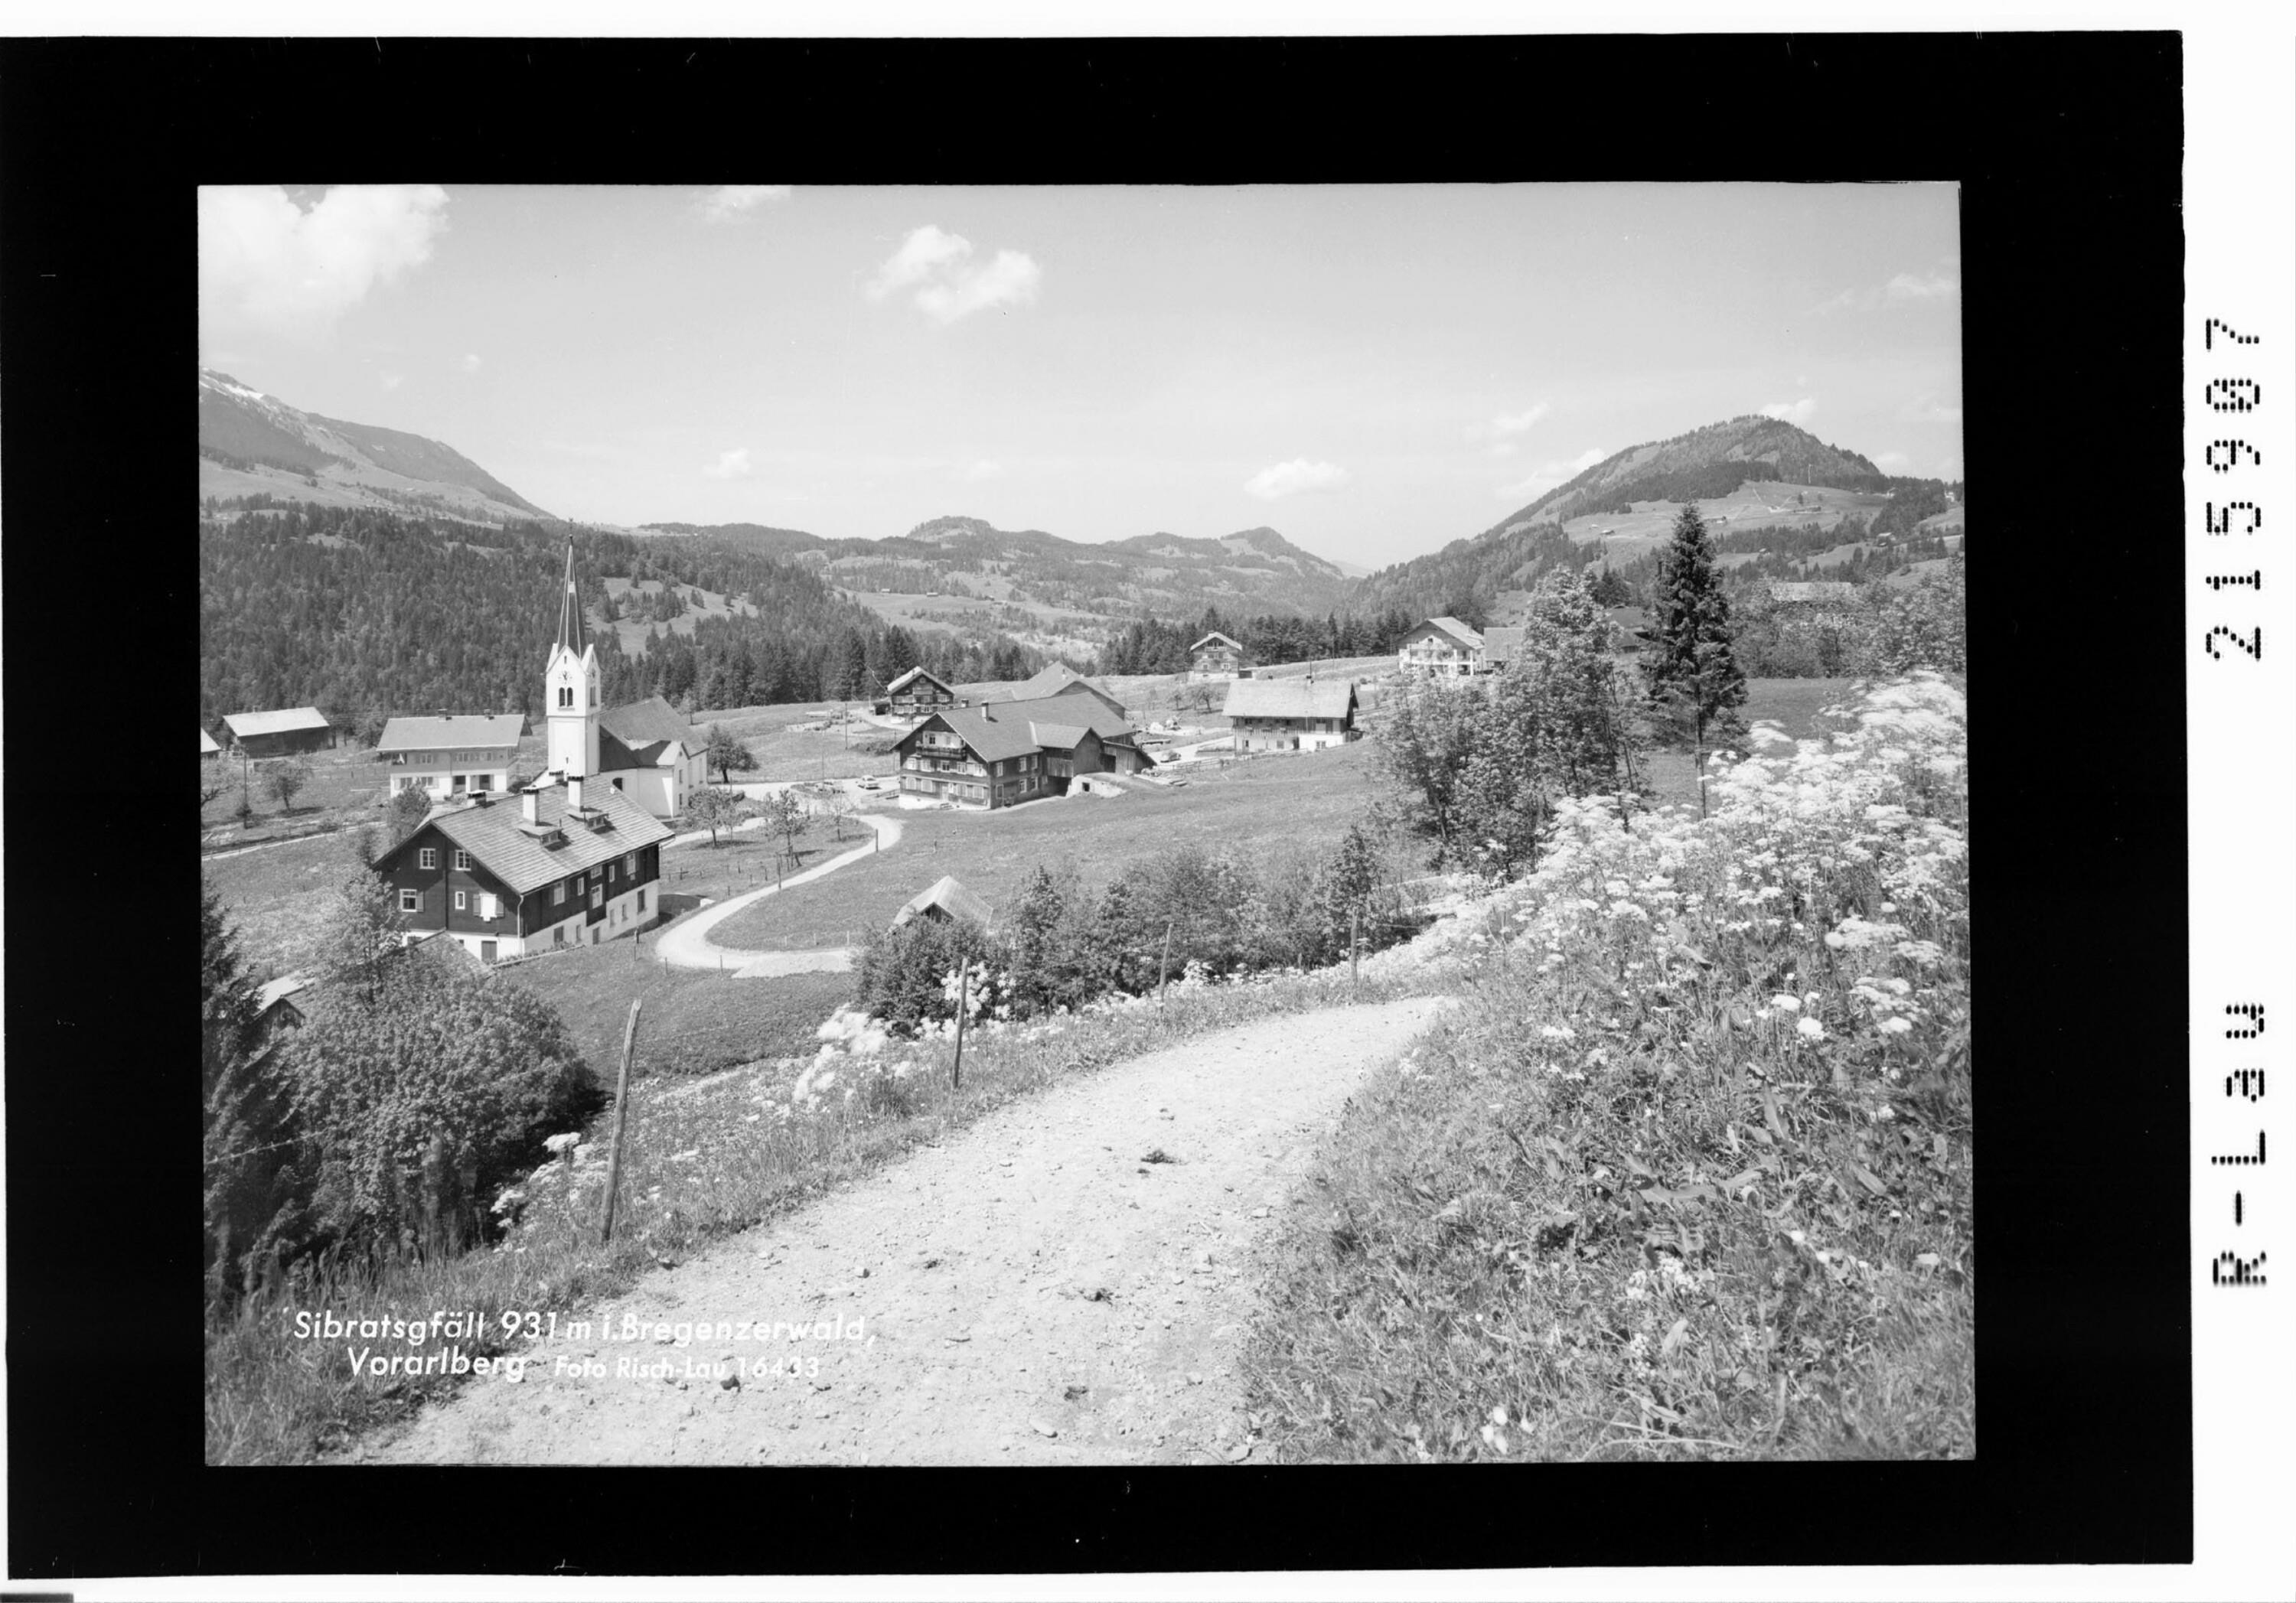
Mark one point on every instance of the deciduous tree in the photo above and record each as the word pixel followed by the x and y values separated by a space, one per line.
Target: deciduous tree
pixel 713 809
pixel 727 753
pixel 284 779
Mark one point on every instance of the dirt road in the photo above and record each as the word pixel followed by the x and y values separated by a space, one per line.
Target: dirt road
pixel 686 944
pixel 1033 1290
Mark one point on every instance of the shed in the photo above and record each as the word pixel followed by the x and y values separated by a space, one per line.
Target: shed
pixel 207 746
pixel 282 732
pixel 946 899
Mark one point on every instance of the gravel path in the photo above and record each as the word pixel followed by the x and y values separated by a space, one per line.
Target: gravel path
pixel 686 944
pixel 1030 1291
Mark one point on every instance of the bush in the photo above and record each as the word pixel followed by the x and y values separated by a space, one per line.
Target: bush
pixel 904 973
pixel 414 1104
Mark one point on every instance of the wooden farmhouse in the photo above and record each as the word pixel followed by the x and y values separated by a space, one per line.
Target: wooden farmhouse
pixel 451 755
pixel 1003 752
pixel 917 693
pixel 566 863
pixel 281 734
pixel 1292 714
pixel 1056 680
pixel 1443 647
pixel 1215 658
pixel 646 751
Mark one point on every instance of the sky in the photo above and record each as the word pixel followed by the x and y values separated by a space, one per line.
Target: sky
pixel 1374 371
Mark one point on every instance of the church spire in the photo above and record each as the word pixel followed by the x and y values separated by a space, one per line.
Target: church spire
pixel 570 610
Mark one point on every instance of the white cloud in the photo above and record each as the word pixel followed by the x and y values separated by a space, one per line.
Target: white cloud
pixel 1906 286
pixel 1892 462
pixel 730 464
pixel 1901 288
pixel 1791 411
pixel 1930 409
pixel 1547 475
pixel 951 286
pixel 729 202
pixel 980 472
pixel 268 262
pixel 1298 477
pixel 469 363
pixel 391 380
pixel 1519 423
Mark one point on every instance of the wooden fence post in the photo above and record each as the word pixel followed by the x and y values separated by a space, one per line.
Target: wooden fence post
pixel 1164 962
pixel 1355 949
pixel 621 1120
pixel 956 1069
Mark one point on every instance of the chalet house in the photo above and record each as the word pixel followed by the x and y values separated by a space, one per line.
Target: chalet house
pixel 1003 752
pixel 1214 657
pixel 281 734
pixel 209 749
pixel 1441 646
pixel 451 755
pixel 1292 714
pixel 944 900
pixel 563 864
pixel 917 693
pixel 646 751
pixel 1502 646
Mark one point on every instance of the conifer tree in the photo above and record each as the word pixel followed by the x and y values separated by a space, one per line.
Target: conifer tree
pixel 1691 668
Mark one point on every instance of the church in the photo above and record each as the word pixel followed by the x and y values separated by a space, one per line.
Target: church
pixel 646 751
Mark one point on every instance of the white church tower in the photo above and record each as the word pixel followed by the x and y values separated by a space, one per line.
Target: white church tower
pixel 570 690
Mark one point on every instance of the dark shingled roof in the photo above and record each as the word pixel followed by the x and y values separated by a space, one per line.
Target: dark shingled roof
pixel 1055 680
pixel 914 673
pixel 492 836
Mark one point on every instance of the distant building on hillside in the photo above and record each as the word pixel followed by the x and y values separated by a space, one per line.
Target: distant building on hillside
pixel 275 1011
pixel 1216 657
pixel 281 734
pixel 209 749
pixel 1292 714
pixel 451 755
pixel 916 693
pixel 1441 646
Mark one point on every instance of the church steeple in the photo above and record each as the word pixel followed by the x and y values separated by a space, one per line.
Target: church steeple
pixel 570 689
pixel 570 610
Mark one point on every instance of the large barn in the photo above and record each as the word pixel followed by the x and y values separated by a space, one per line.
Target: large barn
pixel 1003 752
pixel 1292 714
pixel 282 732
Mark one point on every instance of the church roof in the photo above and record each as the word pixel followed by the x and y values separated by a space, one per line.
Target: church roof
pixel 638 736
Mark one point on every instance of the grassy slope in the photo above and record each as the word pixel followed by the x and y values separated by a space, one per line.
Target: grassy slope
pixel 1630 1203
pixel 1310 797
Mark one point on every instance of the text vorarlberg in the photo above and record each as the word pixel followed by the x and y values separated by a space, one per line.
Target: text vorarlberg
pixel 457 1326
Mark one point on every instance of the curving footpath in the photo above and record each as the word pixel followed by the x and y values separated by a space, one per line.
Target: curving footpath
pixel 686 944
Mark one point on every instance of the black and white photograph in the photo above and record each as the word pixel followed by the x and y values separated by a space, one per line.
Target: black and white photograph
pixel 1077 824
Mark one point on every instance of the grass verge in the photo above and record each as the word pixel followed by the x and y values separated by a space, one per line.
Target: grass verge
pixel 1689 1174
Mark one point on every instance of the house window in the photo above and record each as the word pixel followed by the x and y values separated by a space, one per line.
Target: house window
pixel 484 781
pixel 429 856
pixel 462 901
pixel 558 894
pixel 641 898
pixel 630 865
pixel 610 867
pixel 463 861
pixel 410 901
pixel 597 895
pixel 565 695
pixel 558 935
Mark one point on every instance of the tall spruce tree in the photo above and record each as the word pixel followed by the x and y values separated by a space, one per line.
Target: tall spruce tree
pixel 249 1190
pixel 1691 668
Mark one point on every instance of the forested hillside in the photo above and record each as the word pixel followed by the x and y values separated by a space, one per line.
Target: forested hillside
pixel 365 614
